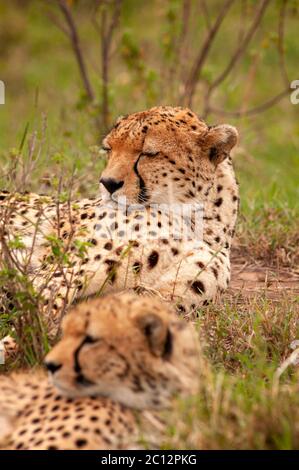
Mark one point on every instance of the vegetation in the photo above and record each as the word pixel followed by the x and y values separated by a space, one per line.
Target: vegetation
pixel 249 382
pixel 70 68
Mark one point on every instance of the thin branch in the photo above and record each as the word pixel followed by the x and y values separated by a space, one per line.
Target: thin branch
pixel 281 32
pixel 106 32
pixel 186 11
pixel 180 46
pixel 243 46
pixel 243 15
pixel 240 50
pixel 115 19
pixel 75 42
pixel 205 13
pixel 192 80
pixel 258 109
pixel 55 20
pixel 249 81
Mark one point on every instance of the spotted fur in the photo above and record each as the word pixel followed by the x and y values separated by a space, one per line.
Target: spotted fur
pixel 163 155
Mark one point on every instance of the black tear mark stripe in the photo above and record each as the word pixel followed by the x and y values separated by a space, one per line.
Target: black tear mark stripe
pixel 80 376
pixel 168 346
pixel 142 196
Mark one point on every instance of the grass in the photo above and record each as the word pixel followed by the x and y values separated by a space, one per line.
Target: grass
pixel 243 403
pixel 47 133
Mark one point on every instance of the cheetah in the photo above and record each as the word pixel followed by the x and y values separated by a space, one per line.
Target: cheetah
pixel 121 358
pixel 156 159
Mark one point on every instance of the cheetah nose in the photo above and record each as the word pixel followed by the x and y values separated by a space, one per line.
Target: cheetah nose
pixel 111 185
pixel 52 367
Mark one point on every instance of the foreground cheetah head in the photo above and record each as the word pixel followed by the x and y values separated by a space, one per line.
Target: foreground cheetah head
pixel 130 349
pixel 163 155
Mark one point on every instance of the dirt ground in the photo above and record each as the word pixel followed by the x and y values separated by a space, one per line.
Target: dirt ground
pixel 252 277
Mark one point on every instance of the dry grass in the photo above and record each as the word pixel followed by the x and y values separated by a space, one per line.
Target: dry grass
pixel 271 235
pixel 243 401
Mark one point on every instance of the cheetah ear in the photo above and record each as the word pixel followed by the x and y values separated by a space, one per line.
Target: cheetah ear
pixel 119 119
pixel 156 333
pixel 220 140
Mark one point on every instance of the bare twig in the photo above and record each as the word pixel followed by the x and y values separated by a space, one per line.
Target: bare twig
pixel 281 51
pixel 57 22
pixel 205 13
pixel 250 112
pixel 182 51
pixel 106 30
pixel 249 82
pixel 180 48
pixel 243 15
pixel 75 42
pixel 239 52
pixel 192 80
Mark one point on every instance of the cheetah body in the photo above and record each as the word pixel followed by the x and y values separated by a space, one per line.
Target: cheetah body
pixel 121 357
pixel 163 156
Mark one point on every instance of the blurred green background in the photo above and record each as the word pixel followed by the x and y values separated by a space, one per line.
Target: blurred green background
pixel 49 121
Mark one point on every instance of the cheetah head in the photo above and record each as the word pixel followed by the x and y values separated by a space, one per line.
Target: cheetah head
pixel 128 348
pixel 163 155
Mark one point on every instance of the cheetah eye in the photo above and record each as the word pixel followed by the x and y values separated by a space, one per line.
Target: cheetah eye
pixel 150 154
pixel 90 340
